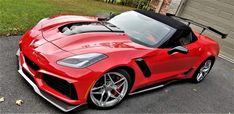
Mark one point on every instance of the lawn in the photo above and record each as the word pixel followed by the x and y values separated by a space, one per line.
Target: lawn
pixel 16 16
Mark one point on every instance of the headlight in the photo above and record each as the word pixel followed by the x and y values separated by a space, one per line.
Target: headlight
pixel 82 61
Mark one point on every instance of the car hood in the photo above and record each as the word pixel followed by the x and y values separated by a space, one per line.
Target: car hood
pixel 102 42
pixel 110 44
pixel 88 35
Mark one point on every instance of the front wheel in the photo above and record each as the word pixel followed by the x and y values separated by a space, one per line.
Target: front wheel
pixel 202 71
pixel 110 89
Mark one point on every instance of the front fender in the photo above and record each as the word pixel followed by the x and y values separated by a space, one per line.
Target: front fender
pixel 116 62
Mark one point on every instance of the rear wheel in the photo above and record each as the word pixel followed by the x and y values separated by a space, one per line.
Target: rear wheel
pixel 202 71
pixel 110 89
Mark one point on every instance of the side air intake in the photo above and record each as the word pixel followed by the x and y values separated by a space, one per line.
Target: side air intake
pixel 143 66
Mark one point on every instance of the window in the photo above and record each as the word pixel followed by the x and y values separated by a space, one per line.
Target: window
pixel 185 38
pixel 142 29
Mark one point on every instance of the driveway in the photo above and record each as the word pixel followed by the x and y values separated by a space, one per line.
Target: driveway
pixel 213 95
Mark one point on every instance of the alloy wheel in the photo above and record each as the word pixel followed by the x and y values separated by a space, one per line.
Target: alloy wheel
pixel 109 90
pixel 204 70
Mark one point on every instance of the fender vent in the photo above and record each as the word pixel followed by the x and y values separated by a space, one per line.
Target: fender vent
pixel 144 67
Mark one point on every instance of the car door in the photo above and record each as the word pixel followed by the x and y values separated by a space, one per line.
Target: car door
pixel 165 66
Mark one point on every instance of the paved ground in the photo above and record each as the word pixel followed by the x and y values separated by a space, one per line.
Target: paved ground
pixel 213 95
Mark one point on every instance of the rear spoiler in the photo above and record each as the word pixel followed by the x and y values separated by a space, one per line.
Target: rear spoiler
pixel 199 25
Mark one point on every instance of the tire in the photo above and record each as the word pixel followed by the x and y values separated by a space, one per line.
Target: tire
pixel 110 93
pixel 202 71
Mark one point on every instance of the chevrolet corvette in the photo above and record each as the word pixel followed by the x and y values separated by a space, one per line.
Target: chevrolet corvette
pixel 74 60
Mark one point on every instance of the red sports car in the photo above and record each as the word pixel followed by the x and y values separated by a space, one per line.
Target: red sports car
pixel 76 60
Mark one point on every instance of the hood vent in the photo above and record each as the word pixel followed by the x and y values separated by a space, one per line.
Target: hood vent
pixel 84 27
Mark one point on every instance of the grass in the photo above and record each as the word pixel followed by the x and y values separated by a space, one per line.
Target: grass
pixel 16 16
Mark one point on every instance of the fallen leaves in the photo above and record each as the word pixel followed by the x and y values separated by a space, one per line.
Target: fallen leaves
pixel 19 102
pixel 2 99
pixel 8 34
pixel 195 90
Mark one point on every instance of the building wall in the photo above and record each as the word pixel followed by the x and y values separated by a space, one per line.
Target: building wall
pixel 218 14
pixel 165 6
pixel 160 6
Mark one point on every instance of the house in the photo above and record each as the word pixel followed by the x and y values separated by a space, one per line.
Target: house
pixel 159 6
pixel 218 14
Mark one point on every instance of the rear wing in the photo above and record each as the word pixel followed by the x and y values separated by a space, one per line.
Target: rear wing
pixel 199 25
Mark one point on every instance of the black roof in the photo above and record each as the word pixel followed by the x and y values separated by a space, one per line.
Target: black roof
pixel 165 19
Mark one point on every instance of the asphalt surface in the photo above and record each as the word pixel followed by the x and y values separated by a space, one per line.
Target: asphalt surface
pixel 213 95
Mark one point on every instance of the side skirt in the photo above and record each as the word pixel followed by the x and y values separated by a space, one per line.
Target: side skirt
pixel 149 88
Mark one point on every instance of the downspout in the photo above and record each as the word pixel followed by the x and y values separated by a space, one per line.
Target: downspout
pixel 181 7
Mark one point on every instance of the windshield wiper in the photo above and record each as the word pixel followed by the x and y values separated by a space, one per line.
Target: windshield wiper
pixel 111 27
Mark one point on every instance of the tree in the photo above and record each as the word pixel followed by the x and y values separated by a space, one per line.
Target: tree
pixel 140 4
pixel 111 1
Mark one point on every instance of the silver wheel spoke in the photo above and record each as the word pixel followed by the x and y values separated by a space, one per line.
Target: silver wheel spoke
pixel 118 86
pixel 101 99
pixel 96 88
pixel 108 96
pixel 208 64
pixel 111 95
pixel 117 91
pixel 199 76
pixel 110 78
pixel 96 92
pixel 201 70
pixel 206 70
pixel 119 81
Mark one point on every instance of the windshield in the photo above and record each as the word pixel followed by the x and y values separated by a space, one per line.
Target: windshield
pixel 142 29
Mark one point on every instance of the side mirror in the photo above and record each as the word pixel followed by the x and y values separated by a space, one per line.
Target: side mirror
pixel 105 16
pixel 179 49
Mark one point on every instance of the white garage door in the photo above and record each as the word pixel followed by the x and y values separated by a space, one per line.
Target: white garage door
pixel 217 14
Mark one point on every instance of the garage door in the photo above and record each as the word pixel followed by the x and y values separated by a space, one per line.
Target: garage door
pixel 217 14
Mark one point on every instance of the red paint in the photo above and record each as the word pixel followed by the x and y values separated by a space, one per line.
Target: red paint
pixel 121 51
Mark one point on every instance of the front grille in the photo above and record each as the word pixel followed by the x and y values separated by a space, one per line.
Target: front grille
pixel 28 75
pixel 30 63
pixel 61 86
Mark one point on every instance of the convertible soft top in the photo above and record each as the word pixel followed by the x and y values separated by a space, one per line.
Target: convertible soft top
pixel 165 19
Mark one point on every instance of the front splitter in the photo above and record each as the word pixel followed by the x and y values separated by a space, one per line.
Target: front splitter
pixel 57 103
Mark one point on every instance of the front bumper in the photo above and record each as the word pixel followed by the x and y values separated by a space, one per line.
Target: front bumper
pixel 55 101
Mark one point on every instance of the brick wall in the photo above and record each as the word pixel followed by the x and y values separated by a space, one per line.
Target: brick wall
pixel 160 6
pixel 165 6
